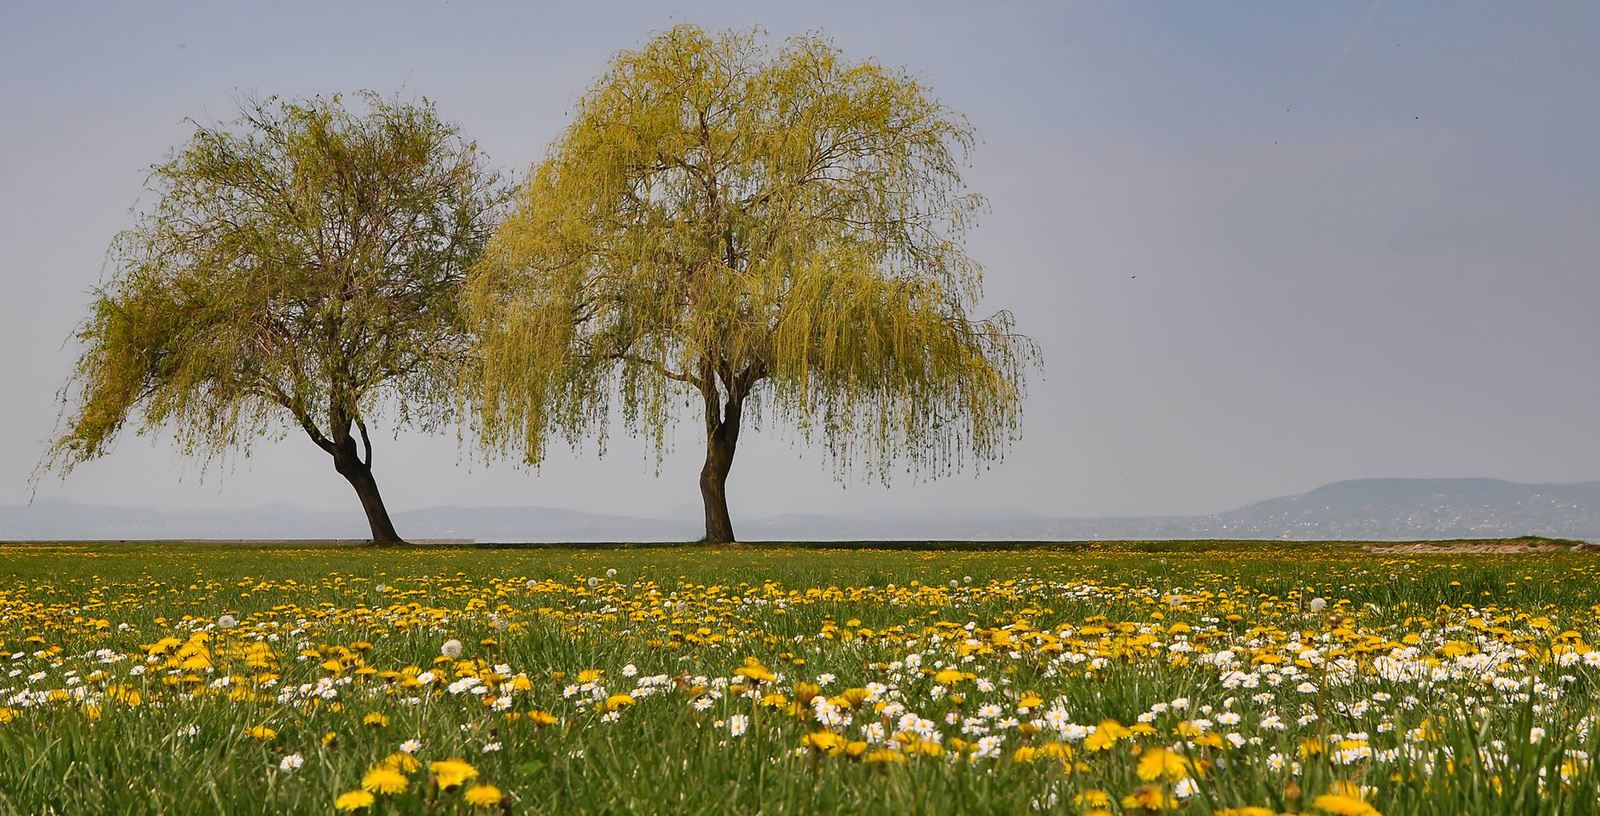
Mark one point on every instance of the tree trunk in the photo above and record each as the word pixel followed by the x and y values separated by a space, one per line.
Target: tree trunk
pixel 722 438
pixel 359 473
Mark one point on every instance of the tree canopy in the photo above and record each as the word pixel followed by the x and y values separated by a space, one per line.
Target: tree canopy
pixel 771 232
pixel 299 268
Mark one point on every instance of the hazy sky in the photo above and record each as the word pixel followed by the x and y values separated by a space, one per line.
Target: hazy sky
pixel 1264 246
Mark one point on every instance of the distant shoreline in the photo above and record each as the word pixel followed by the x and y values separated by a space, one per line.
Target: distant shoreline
pixel 1176 546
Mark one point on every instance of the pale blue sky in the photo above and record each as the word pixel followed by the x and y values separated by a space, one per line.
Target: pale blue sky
pixel 1264 245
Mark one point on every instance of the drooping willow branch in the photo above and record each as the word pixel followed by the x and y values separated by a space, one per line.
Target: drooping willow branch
pixel 773 224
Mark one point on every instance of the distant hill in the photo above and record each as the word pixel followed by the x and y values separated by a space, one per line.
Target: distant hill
pixel 1363 509
pixel 1381 509
pixel 539 524
pixel 60 520
pixel 1366 509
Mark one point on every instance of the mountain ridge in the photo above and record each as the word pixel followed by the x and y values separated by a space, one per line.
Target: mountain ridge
pixel 1379 509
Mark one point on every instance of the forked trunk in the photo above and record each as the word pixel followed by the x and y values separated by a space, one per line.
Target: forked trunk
pixel 722 438
pixel 359 473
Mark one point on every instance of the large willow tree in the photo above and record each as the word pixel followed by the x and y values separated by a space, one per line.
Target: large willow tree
pixel 770 230
pixel 299 268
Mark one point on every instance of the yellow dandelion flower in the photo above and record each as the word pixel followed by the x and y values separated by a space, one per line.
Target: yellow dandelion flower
pixel 756 672
pixel 1157 763
pixel 804 692
pixel 385 779
pixel 1114 729
pixel 1094 797
pixel 1343 805
pixel 402 761
pixel 261 732
pixel 1149 798
pixel 354 800
pixel 451 773
pixel 376 719
pixel 483 796
pixel 825 742
pixel 1057 750
pixel 1100 740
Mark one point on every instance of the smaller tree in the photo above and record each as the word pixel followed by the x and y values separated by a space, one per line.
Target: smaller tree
pixel 299 268
pixel 760 230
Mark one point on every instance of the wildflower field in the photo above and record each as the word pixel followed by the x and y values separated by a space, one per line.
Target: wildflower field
pixel 1121 678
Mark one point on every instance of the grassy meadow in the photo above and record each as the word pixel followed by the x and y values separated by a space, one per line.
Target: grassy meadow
pixel 1200 678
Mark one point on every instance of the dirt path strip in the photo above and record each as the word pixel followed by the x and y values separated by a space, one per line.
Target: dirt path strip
pixel 1480 549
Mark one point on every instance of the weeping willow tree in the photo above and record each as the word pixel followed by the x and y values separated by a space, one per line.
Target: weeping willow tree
pixel 769 232
pixel 299 268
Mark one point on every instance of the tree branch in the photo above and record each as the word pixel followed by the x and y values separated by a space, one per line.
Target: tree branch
pixel 366 442
pixel 659 368
pixel 311 431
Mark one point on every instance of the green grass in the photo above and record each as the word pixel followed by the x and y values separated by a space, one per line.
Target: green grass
pixel 76 619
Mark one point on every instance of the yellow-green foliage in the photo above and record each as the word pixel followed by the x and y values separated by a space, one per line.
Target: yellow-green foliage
pixel 779 224
pixel 298 266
